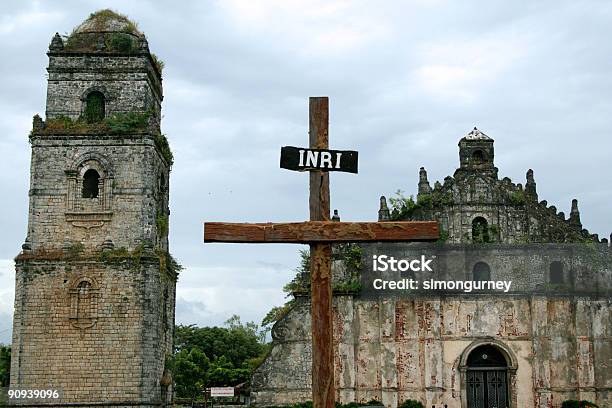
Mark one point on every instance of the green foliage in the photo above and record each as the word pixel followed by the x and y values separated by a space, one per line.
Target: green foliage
pixel 406 207
pixel 443 236
pixel 122 41
pixel 123 254
pixel 411 404
pixel 517 197
pixel 5 365
pixel 159 64
pixel 127 122
pixel 113 124
pixel 277 313
pixel 232 353
pixel 94 108
pixel 402 207
pixel 75 250
pixel 351 255
pixel 351 286
pixel 164 147
pixel 300 282
pixel 167 263
pixel 100 19
pixel 578 404
pixel 118 123
pixel 425 201
pixel 119 42
pixel 161 221
pixel 190 368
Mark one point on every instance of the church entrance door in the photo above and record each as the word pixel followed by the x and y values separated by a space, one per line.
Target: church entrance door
pixel 487 378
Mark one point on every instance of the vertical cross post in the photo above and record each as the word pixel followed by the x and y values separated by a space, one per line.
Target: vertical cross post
pixel 323 387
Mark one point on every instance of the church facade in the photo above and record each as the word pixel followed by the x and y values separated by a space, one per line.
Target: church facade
pixel 95 284
pixel 546 340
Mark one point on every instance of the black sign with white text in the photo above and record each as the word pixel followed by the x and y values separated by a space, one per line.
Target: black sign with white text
pixel 300 158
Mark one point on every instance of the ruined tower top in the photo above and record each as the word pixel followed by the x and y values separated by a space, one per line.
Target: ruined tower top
pixel 108 48
pixel 107 21
pixel 476 152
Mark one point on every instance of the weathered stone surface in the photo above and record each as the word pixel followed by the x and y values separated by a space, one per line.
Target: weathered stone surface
pixel 556 338
pixel 94 299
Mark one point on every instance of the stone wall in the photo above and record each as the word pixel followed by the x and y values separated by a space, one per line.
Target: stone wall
pixel 393 350
pixel 129 83
pixel 134 176
pixel 105 345
pixel 414 346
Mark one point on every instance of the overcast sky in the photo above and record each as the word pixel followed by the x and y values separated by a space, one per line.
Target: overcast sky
pixel 406 81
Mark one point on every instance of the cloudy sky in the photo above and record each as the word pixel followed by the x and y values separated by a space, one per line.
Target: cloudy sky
pixel 406 80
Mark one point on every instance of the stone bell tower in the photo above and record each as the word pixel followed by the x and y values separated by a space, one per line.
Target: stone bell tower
pixel 95 284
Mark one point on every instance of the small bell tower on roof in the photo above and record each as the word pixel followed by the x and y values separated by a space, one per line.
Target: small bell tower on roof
pixel 476 152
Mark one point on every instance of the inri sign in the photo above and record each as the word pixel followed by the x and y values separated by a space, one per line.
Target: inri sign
pixel 299 158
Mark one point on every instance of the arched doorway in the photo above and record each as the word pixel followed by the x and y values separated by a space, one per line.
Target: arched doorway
pixel 488 371
pixel 487 378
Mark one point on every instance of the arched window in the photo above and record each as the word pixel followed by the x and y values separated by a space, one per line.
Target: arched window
pixel 83 304
pixel 556 272
pixel 91 178
pixel 95 108
pixel 480 230
pixel 481 272
pixel 478 157
pixel 83 300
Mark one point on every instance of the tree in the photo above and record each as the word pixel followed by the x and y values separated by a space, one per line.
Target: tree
pixel 216 356
pixel 190 372
pixel 5 365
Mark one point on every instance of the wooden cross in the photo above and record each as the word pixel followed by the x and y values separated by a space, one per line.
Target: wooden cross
pixel 320 233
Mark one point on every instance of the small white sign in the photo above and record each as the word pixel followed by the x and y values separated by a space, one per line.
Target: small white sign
pixel 222 391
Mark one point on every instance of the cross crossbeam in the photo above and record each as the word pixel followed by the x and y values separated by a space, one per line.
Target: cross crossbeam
pixel 320 231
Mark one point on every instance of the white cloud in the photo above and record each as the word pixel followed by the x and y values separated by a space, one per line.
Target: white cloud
pixel 210 295
pixel 22 22
pixel 465 68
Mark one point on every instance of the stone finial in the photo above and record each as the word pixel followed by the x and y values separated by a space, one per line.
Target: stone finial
pixel 67 245
pixel 335 217
pixel 383 211
pixel 424 187
pixel 57 44
pixel 108 244
pixel 27 245
pixel 37 123
pixel 574 217
pixel 143 44
pixel 530 186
